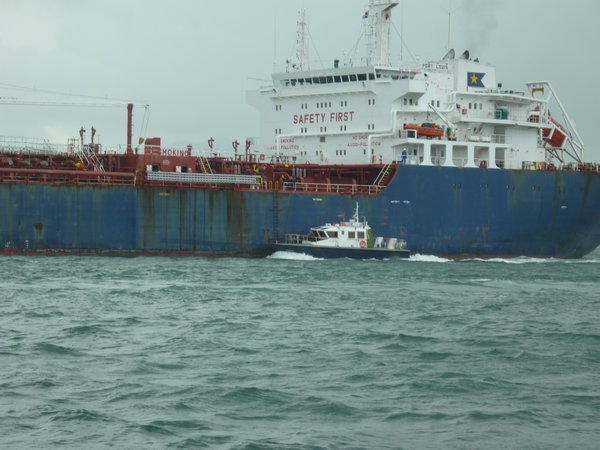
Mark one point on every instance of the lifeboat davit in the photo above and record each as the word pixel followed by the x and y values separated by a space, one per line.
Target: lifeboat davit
pixel 427 130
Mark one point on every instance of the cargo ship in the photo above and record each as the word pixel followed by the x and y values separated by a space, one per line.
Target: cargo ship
pixel 438 154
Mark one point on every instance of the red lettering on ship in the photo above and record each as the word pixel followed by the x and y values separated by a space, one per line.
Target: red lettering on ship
pixel 301 119
pixel 175 152
pixel 341 116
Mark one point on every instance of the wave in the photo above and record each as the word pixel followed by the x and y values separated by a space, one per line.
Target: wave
pixel 293 256
pixel 47 347
pixel 428 258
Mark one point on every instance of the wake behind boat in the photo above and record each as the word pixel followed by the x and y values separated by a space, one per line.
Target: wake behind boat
pixel 353 239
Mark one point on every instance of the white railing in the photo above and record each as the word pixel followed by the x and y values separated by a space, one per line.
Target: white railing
pixel 332 188
pixel 203 178
pixel 21 144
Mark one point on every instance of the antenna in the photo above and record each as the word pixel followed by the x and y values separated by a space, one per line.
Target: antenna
pixel 450 12
pixel 274 40
pixel 301 58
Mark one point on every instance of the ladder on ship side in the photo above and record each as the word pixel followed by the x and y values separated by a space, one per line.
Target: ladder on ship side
pixel 204 165
pixel 384 175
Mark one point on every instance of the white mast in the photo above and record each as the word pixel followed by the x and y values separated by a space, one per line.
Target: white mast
pixel 378 43
pixel 301 59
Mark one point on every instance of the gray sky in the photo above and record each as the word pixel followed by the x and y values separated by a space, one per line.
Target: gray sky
pixel 192 61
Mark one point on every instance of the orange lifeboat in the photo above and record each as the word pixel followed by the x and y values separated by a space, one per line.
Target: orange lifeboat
pixel 426 130
pixel 555 137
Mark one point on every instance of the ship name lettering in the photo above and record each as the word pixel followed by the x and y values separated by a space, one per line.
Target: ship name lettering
pixel 175 152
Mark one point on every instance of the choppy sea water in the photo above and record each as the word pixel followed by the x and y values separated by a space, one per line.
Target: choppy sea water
pixel 292 353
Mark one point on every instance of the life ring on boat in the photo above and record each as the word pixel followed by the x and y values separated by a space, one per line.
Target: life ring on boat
pixel 363 243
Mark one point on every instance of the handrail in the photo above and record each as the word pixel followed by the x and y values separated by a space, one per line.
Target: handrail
pixel 328 188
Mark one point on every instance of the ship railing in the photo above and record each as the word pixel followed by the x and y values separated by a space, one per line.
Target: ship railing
pixel 28 145
pixel 299 238
pixel 204 178
pixel 330 188
pixel 66 177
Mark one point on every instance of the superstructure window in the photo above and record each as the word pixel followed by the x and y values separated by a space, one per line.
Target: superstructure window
pixel 362 77
pixel 352 77
pixel 345 78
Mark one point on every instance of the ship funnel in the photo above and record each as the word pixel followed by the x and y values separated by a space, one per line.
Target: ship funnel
pixel 379 19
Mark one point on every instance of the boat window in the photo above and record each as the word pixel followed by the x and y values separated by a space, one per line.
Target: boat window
pixel 352 77
pixel 308 81
pixel 316 80
pixel 362 77
pixel 371 76
pixel 338 79
pixel 332 234
pixel 323 80
pixel 345 78
pixel 360 234
pixel 351 235
pixel 322 235
pixel 330 79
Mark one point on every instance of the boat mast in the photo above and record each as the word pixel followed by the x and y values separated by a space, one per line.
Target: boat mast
pixel 301 60
pixel 378 32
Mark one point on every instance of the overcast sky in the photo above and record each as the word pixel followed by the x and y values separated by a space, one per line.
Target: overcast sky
pixel 192 61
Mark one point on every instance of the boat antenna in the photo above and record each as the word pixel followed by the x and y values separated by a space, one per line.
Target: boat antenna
pixel 300 60
pixel 450 12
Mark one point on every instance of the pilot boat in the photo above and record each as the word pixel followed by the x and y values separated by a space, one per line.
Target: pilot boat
pixel 352 239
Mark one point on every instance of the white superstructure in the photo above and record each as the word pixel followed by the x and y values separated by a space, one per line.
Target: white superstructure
pixel 451 112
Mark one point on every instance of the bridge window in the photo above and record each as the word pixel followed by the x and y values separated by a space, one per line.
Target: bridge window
pixel 351 235
pixel 345 78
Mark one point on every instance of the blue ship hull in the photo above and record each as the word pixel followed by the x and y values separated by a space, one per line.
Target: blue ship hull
pixel 442 211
